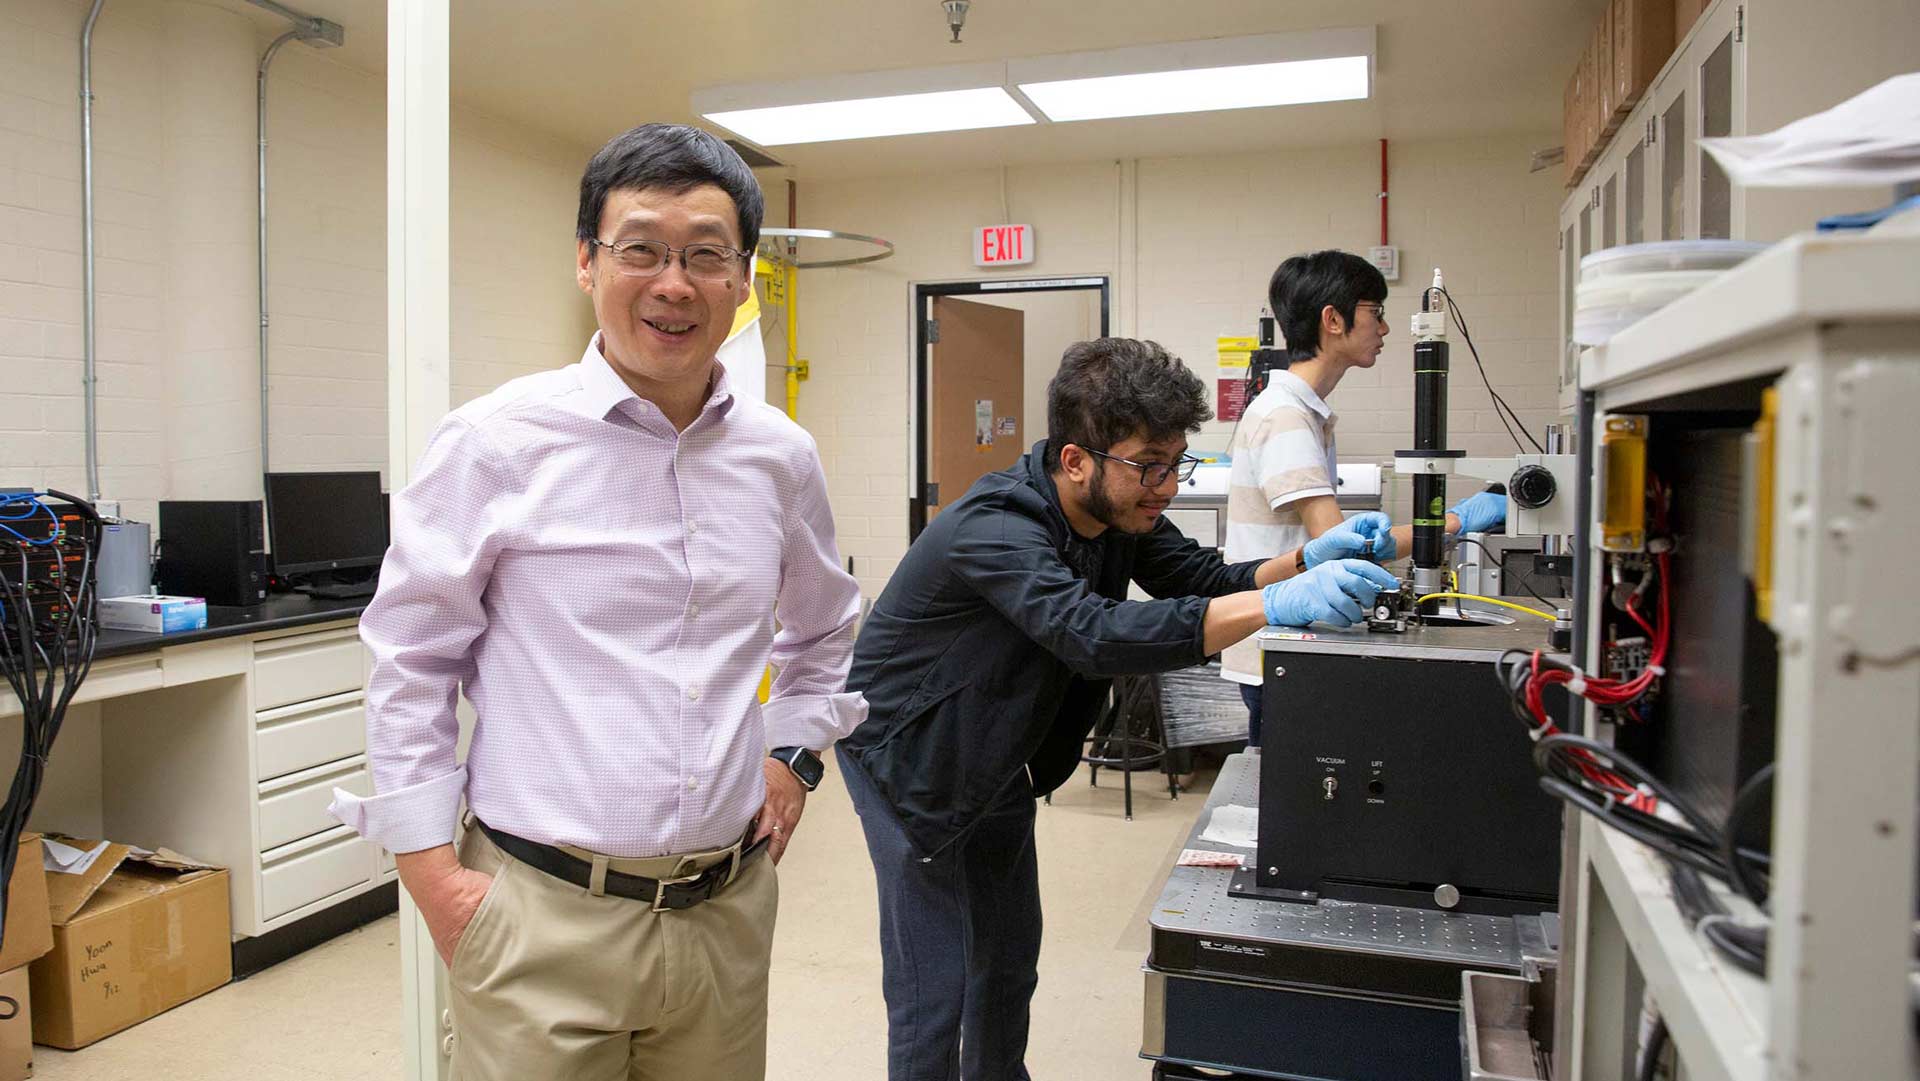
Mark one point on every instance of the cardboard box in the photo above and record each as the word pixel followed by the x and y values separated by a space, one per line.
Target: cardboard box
pixel 1685 14
pixel 16 1026
pixel 1570 128
pixel 134 934
pixel 28 933
pixel 1606 108
pixel 1642 41
pixel 1583 110
pixel 1590 144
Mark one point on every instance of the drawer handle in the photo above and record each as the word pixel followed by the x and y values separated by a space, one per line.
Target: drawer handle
pixel 305 643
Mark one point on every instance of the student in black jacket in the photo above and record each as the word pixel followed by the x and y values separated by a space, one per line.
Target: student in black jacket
pixel 986 659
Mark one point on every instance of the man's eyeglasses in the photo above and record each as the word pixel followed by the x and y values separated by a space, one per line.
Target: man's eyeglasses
pixel 646 258
pixel 1379 310
pixel 1153 474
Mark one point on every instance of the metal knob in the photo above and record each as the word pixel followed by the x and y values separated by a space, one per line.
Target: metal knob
pixel 1532 486
pixel 1446 896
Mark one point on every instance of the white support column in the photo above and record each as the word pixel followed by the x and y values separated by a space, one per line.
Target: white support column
pixel 1845 793
pixel 419 333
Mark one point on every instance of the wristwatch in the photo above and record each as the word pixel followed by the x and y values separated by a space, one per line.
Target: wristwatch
pixel 804 763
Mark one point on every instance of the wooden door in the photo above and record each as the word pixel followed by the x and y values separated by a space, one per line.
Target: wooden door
pixel 977 384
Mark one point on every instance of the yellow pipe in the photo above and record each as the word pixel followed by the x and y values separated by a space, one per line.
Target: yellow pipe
pixel 793 346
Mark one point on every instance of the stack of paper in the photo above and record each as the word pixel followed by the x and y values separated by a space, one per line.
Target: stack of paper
pixel 1870 140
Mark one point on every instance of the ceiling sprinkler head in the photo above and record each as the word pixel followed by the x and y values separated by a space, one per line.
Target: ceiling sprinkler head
pixel 956 16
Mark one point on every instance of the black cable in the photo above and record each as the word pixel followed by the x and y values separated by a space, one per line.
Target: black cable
pixel 1695 842
pixel 1651 1054
pixel 1500 403
pixel 1739 863
pixel 1460 320
pixel 44 664
pixel 1744 947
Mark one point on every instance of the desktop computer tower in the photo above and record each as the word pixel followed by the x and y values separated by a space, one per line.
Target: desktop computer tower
pixel 214 548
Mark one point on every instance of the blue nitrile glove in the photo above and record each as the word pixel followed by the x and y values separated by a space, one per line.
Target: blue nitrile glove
pixel 1479 513
pixel 1339 593
pixel 1348 540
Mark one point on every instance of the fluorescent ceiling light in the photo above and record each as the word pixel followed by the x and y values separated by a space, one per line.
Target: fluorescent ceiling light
pixel 867 118
pixel 1196 90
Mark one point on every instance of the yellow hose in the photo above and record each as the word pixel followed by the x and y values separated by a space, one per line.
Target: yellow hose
pixel 1486 600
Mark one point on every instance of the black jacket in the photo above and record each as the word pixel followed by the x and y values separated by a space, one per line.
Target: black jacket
pixel 992 647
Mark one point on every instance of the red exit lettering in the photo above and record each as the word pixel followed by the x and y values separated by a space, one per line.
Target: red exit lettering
pixel 1003 244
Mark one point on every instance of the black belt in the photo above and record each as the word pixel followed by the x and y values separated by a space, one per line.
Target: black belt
pixel 662 894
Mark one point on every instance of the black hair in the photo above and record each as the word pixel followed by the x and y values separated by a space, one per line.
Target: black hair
pixel 1305 284
pixel 1109 389
pixel 674 158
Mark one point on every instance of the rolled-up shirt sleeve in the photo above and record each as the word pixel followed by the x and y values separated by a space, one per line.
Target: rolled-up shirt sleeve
pixel 817 607
pixel 420 629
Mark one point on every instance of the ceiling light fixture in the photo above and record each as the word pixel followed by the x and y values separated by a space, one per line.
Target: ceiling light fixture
pixel 1201 76
pixel 1248 86
pixel 868 118
pixel 1182 77
pixel 953 97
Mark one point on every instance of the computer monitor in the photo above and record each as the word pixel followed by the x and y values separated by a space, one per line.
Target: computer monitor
pixel 319 522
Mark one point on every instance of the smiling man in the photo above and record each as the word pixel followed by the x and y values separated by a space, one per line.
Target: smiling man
pixel 598 557
pixel 987 658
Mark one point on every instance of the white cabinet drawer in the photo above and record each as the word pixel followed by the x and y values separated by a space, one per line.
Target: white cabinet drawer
pixel 306 666
pixel 296 807
pixel 298 737
pixel 313 869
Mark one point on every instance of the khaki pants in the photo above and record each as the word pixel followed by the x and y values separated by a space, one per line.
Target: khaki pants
pixel 551 981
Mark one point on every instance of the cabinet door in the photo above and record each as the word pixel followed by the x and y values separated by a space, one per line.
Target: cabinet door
pixel 1717 58
pixel 1703 94
pixel 1674 131
pixel 1633 191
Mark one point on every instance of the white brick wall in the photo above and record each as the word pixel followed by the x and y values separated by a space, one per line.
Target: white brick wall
pixel 515 307
pixel 1210 231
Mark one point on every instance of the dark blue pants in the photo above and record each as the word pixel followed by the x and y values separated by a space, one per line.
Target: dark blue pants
pixel 959 939
pixel 1251 696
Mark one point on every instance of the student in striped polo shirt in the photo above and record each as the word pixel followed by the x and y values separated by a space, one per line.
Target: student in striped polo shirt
pixel 1331 309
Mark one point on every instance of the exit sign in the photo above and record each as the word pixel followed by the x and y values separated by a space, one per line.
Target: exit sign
pixel 1002 245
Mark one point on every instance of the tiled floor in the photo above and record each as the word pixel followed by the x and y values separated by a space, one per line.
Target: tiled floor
pixel 333 1013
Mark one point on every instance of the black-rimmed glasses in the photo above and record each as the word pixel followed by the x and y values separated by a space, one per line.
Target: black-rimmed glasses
pixel 1154 474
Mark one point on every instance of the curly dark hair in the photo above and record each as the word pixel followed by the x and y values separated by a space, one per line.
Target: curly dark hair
pixel 1110 389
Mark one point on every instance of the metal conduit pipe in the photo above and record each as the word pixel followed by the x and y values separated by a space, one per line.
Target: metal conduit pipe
pixel 260 85
pixel 88 380
pixel 320 34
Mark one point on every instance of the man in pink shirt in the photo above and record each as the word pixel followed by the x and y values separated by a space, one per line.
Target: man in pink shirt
pixel 598 557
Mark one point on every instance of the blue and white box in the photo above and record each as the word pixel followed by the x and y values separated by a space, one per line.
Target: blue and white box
pixel 153 614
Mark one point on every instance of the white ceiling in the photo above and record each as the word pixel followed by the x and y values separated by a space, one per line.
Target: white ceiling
pixel 585 70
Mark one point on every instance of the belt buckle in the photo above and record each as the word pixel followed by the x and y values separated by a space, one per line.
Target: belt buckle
pixel 660 890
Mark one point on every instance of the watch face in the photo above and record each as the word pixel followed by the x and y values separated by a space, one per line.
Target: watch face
pixel 808 767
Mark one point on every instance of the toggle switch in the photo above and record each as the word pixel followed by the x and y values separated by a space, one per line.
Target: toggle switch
pixel 1328 784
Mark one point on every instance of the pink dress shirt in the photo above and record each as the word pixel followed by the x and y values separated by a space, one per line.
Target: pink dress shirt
pixel 605 590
